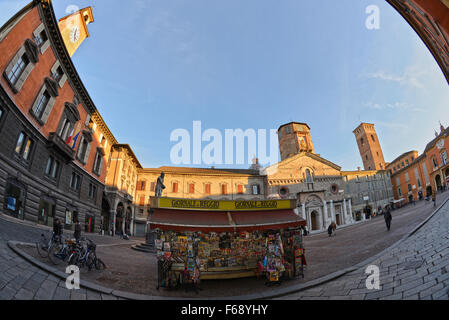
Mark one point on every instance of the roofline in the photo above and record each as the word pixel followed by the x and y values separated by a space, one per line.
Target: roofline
pixel 128 147
pixel 213 173
pixel 403 155
pixel 361 124
pixel 48 17
pixel 22 11
pixel 303 123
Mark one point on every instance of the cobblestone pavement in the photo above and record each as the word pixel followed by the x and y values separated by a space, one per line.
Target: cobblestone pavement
pixel 418 268
pixel 20 280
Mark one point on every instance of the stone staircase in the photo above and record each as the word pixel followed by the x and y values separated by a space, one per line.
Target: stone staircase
pixel 144 247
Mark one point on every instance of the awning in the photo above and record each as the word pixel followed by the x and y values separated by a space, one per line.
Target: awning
pixel 204 221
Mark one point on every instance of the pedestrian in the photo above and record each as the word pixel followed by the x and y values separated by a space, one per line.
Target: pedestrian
pixel 77 232
pixel 332 227
pixel 434 198
pixel 388 218
pixel 57 230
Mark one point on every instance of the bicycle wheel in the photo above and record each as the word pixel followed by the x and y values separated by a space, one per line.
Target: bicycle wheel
pixel 54 253
pixel 42 247
pixel 99 264
pixel 90 261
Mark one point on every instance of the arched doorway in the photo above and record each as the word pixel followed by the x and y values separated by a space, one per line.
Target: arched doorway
pixel 119 219
pixel 315 220
pixel 428 191
pixel 438 182
pixel 105 213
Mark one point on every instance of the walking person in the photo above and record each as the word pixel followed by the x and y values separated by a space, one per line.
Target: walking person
pixel 58 230
pixel 332 227
pixel 77 232
pixel 388 218
pixel 434 198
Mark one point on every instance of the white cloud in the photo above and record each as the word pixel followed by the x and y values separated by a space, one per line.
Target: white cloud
pixel 412 77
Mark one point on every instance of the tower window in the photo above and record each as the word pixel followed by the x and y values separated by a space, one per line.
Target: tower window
pixel 372 137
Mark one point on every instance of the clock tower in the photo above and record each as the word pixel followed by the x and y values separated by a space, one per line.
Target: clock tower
pixel 74 28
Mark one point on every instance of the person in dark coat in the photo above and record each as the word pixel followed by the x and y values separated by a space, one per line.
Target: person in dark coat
pixel 388 218
pixel 77 232
pixel 332 227
pixel 57 230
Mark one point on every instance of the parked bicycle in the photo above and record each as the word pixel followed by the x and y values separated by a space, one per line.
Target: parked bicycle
pixel 85 255
pixel 44 244
pixel 61 251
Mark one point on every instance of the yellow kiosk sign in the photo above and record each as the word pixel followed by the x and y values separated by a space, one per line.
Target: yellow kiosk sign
pixel 218 205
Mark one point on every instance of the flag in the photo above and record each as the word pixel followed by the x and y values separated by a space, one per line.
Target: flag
pixel 70 136
pixel 71 141
pixel 75 139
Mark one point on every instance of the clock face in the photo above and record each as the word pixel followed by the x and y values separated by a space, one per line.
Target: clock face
pixel 75 34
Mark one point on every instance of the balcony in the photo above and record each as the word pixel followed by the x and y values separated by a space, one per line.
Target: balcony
pixel 55 142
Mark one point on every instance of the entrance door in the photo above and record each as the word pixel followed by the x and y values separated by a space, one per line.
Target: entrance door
pixel 315 220
pixel 438 182
pixel 338 218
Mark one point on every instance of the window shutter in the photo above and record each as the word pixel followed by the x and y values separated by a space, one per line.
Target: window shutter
pixel 86 156
pixel 48 109
pixel 101 166
pixel 80 143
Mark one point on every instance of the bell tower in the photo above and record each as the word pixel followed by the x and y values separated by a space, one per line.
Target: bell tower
pixel 369 147
pixel 74 28
pixel 294 137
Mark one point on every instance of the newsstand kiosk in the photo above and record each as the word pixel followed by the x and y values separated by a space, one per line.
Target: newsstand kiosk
pixel 210 239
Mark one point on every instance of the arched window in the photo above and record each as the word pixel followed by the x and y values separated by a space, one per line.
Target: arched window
pixel 308 176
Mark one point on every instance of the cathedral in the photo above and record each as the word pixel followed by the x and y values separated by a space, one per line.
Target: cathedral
pixel 322 191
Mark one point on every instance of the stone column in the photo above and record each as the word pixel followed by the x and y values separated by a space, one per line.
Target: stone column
pixel 131 227
pixel 325 215
pixel 345 212
pixel 350 210
pixel 333 218
pixel 112 223
pixel 303 207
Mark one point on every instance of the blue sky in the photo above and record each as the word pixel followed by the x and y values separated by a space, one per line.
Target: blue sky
pixel 152 66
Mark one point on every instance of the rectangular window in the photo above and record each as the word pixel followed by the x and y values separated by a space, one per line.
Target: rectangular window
pixel 40 38
pixel 52 168
pixel 153 186
pixel 256 189
pixel 24 146
pixel 191 188
pixel 57 74
pixel 207 188
pixel 175 187
pixel 18 69
pixel 224 189
pixel 409 186
pixel 41 104
pixel 407 178
pixel 142 200
pixel 75 181
pixel 92 191
pixel 399 192
pixel 98 164
pixel 240 189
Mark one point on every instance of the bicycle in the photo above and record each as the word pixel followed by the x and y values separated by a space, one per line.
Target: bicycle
pixel 44 245
pixel 59 252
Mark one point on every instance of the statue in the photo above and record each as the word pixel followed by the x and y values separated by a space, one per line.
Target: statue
pixel 160 185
